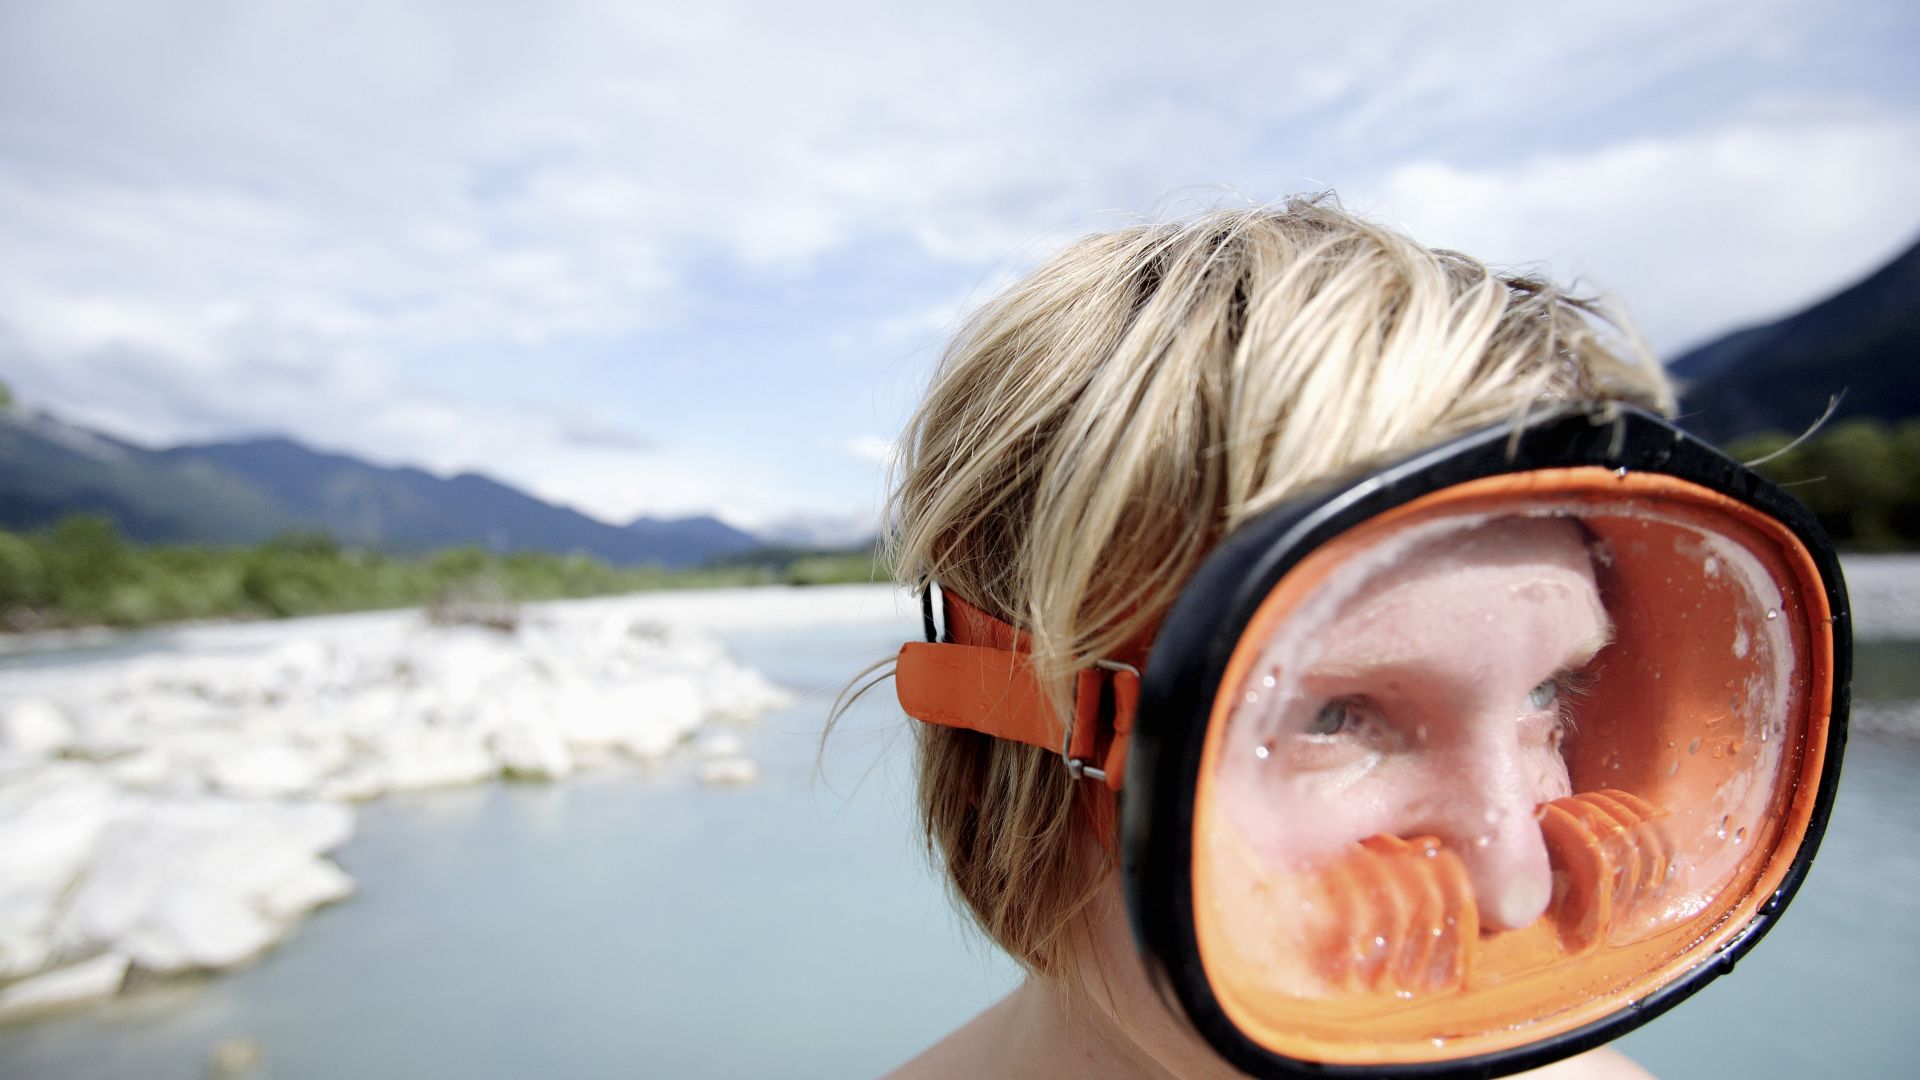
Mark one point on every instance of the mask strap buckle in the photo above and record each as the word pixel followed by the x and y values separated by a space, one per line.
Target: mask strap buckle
pixel 973 672
pixel 1106 697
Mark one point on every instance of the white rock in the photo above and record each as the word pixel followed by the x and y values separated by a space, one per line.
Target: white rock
pixel 197 927
pixel 267 769
pixel 421 760
pixel 129 843
pixel 235 1056
pixel 734 770
pixel 49 825
pixel 76 984
pixel 739 694
pixel 36 726
pixel 303 886
pixel 201 883
pixel 355 785
pixel 532 751
pixel 145 770
pixel 296 665
pixel 644 719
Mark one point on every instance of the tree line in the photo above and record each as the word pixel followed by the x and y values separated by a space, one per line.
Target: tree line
pixel 1861 478
pixel 84 572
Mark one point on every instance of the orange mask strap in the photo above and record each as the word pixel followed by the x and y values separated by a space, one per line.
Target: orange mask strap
pixel 982 679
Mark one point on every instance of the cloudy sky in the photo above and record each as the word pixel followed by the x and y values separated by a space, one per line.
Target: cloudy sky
pixel 641 260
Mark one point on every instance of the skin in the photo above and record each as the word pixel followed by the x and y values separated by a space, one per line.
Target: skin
pixel 1435 706
pixel 1425 714
pixel 1110 1025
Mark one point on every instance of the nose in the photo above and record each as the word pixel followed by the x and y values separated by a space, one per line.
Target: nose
pixel 1486 815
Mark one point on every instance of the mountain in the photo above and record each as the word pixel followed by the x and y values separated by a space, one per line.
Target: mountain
pixel 246 491
pixel 50 469
pixel 712 536
pixel 1864 340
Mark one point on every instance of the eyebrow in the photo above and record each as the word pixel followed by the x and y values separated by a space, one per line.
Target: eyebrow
pixel 1349 668
pixel 1601 638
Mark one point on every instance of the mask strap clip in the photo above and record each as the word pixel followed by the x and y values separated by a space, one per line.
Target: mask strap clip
pixel 1106 694
pixel 933 612
pixel 973 672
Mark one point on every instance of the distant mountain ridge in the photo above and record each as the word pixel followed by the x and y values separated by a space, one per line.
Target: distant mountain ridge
pixel 245 491
pixel 1864 340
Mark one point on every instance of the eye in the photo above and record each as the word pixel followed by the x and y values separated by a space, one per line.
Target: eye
pixel 1341 716
pixel 1560 691
pixel 1545 696
pixel 1342 732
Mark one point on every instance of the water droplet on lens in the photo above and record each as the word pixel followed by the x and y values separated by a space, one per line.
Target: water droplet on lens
pixel 1621 472
pixel 1268 681
pixel 1674 769
pixel 1261 752
pixel 1721 832
pixel 1252 696
pixel 1740 836
pixel 1694 746
pixel 1772 614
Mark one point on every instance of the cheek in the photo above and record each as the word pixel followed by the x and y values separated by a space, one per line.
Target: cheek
pixel 1327 811
pixel 1291 820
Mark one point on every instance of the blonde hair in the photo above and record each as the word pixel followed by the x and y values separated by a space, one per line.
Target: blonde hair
pixel 1092 432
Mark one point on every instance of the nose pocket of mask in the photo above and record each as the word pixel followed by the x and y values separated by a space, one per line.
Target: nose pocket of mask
pixel 1612 857
pixel 1407 922
pixel 1402 918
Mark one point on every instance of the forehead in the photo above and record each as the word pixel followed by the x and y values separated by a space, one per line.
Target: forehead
pixel 1512 546
pixel 1519 583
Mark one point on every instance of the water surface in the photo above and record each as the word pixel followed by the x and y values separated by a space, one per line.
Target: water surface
pixel 642 925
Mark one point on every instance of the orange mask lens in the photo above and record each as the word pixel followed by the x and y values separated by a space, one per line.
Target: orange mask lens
pixel 1501 762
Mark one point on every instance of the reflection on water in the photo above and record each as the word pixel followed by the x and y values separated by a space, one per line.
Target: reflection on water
pixel 622 925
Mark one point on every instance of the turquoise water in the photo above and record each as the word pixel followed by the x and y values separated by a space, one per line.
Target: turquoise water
pixel 647 926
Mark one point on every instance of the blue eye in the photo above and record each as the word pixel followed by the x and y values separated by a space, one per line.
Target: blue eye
pixel 1334 718
pixel 1544 696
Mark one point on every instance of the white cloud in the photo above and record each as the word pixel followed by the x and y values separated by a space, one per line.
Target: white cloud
pixel 301 216
pixel 1703 232
pixel 872 448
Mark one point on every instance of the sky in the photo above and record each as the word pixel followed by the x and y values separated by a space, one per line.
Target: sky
pixel 650 259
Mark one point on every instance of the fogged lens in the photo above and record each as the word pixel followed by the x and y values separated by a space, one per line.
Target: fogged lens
pixel 1497 764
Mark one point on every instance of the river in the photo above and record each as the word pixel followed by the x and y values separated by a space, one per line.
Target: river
pixel 645 925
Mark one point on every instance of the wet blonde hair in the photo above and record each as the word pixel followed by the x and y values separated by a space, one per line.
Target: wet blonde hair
pixel 1092 432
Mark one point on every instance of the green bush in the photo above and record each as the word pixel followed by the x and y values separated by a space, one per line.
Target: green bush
pixel 83 571
pixel 1859 477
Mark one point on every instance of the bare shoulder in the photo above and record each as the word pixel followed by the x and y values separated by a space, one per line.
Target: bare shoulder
pixel 977 1048
pixel 1602 1064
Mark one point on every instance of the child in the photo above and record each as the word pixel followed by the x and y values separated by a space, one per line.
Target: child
pixel 1092 435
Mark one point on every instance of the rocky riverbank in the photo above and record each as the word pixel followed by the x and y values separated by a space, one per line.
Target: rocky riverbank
pixel 172 811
